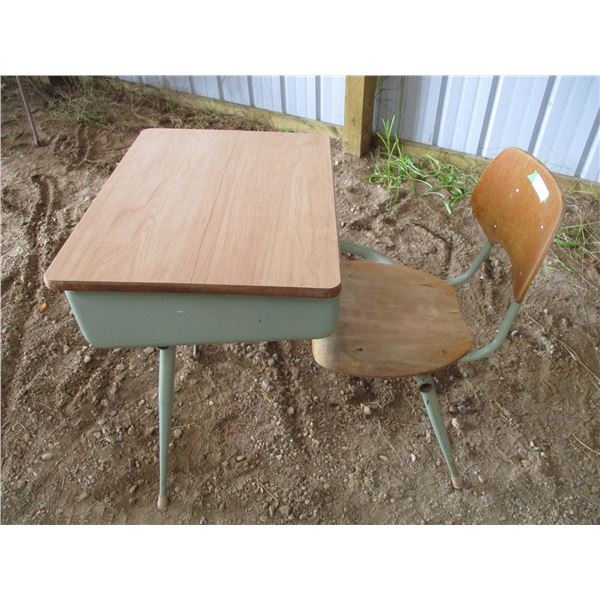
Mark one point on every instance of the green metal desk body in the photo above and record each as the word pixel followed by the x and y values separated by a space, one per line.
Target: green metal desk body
pixel 125 319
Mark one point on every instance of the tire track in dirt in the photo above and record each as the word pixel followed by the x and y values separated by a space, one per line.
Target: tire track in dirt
pixel 85 150
pixel 292 423
pixel 76 418
pixel 49 193
pixel 445 243
pixel 12 347
pixel 83 145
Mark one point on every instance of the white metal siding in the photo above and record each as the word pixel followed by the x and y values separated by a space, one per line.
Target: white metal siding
pixel 555 118
pixel 313 97
pixel 300 96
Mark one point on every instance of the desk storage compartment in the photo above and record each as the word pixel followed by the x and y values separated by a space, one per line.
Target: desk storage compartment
pixel 121 319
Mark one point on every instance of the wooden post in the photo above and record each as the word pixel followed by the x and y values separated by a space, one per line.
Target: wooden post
pixel 358 114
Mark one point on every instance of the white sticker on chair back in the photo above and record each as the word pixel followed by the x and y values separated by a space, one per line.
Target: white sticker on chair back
pixel 539 186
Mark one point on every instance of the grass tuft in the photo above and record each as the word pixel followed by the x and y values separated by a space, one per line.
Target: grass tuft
pixel 440 179
pixel 577 246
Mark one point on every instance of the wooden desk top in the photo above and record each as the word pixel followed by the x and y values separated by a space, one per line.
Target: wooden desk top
pixel 210 211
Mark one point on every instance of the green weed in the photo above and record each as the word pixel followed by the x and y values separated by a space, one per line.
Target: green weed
pixel 577 245
pixel 398 168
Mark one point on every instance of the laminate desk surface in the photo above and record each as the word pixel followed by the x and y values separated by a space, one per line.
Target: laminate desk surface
pixel 206 211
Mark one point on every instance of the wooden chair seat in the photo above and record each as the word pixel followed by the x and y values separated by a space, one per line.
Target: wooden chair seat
pixel 394 322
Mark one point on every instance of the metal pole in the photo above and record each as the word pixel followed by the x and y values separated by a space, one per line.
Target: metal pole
pixel 166 380
pixel 36 139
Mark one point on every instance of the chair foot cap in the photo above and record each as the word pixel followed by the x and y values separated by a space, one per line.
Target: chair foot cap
pixel 457 482
pixel 162 503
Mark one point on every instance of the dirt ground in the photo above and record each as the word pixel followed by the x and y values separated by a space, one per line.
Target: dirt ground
pixel 261 433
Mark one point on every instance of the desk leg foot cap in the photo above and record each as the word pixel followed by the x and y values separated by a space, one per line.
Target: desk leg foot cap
pixel 457 482
pixel 162 503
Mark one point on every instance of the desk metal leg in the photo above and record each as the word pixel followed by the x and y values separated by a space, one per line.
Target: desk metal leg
pixel 166 380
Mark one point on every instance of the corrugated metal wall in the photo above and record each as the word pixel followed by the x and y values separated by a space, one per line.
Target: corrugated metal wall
pixel 317 97
pixel 557 119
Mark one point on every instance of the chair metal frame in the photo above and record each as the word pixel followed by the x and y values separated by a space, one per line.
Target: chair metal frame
pixel 425 383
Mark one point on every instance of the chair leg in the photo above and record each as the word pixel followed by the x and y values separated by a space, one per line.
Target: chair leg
pixel 427 389
pixel 166 380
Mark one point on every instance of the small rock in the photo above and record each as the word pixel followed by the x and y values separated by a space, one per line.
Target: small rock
pixel 211 403
pixel 177 433
pixel 130 430
pixel 383 458
pixel 120 367
pixel 132 489
pixel 101 422
pixel 413 457
pixel 514 333
pixel 104 402
pixel 456 424
pixel 265 386
pixel 366 410
pixel 87 358
pixel 284 511
pixel 271 362
pixel 47 456
pixel 148 350
pixel 66 349
pixel 240 458
pixel 290 410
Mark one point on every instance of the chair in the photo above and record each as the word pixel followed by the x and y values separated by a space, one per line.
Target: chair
pixel 399 322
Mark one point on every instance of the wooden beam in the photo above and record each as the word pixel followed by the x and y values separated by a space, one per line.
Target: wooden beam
pixel 476 165
pixel 358 114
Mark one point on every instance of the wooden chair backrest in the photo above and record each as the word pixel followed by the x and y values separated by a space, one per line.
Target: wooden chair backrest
pixel 519 206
